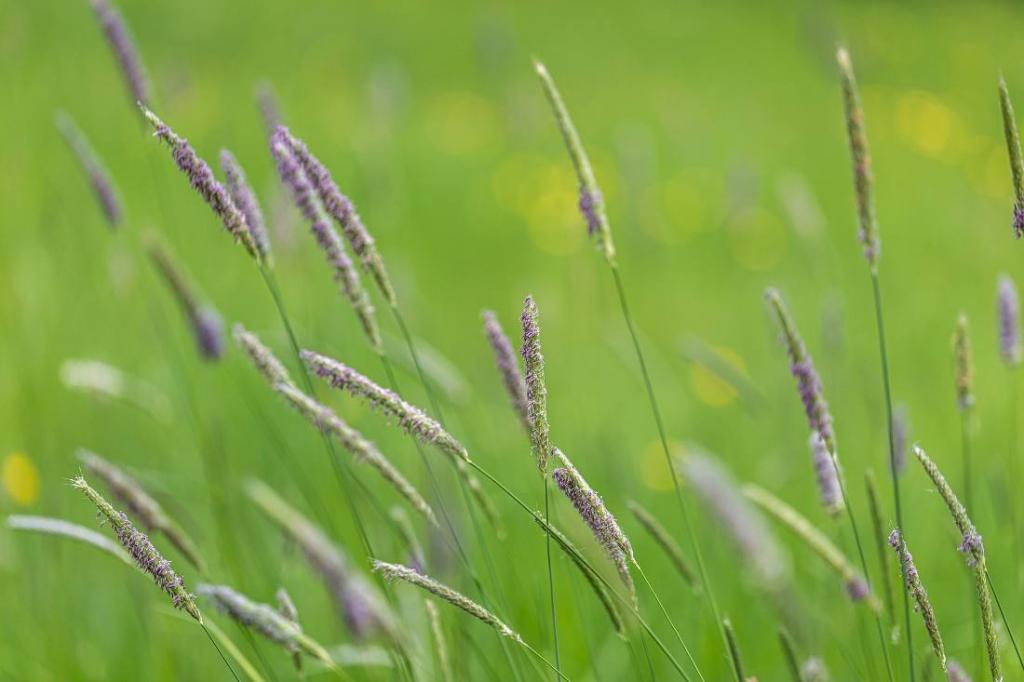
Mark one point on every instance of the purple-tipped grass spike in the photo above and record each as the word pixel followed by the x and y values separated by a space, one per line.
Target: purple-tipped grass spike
pixel 298 182
pixel 1008 306
pixel 99 177
pixel 203 181
pixel 863 181
pixel 265 362
pixel 536 390
pixel 508 366
pixel 591 202
pixel 920 595
pixel 340 208
pixel 1016 159
pixel 964 364
pixel 825 471
pixel 245 199
pixel 142 551
pixel 121 44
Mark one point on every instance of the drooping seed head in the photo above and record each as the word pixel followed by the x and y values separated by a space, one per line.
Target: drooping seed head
pixel 825 472
pixel 741 522
pixel 508 366
pixel 340 208
pixel 916 589
pixel 863 181
pixel 245 199
pixel 394 572
pixel 1009 321
pixel 301 187
pixel 99 177
pixel 142 551
pixel 262 358
pixel 410 418
pixel 812 393
pixel 120 41
pixel 964 364
pixel 206 323
pixel 203 181
pixel 536 390
pixel 970 539
pixel 260 618
pixel 1016 158
pixel 591 202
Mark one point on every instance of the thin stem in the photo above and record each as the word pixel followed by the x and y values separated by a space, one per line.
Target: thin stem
pixel 668 456
pixel 546 661
pixel 669 619
pixel 551 576
pixel 893 472
pixel 965 447
pixel 1002 615
pixel 628 604
pixel 221 653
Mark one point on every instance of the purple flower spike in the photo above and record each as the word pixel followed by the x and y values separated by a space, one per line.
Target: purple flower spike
pixel 825 470
pixel 245 199
pixel 209 332
pixel 1018 220
pixel 123 46
pixel 1009 321
pixel 857 589
pixel 508 366
pixel 972 546
pixel 99 178
pixel 590 200
pixel 916 589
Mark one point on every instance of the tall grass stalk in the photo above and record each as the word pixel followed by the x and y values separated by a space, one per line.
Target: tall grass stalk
pixel 591 205
pixel 734 651
pixel 863 182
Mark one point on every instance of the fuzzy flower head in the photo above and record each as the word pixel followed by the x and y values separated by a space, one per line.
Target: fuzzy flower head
pixel 121 43
pixel 916 589
pixel 99 177
pixel 209 332
pixel 825 472
pixel 536 390
pixel 1009 321
pixel 203 181
pixel 245 199
pixel 812 393
pixel 1013 150
pixel 508 367
pixel 261 357
pixel 863 181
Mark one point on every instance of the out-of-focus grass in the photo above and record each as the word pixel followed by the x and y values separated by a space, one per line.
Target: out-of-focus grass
pixel 717 136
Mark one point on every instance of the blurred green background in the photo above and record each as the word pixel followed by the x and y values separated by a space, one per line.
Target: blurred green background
pixel 717 136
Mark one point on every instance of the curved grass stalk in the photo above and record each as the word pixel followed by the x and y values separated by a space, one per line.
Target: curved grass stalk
pixel 71 531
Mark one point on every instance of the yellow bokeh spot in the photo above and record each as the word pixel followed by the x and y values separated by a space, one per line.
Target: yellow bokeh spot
pixel 709 386
pixel 654 471
pixel 759 239
pixel 21 479
pixel 926 122
pixel 463 123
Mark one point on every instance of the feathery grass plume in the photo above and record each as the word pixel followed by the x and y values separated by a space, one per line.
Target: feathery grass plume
pixel 595 514
pixel 262 358
pixel 203 181
pixel 66 529
pixel 357 600
pixel 146 511
pixel 964 364
pixel 437 632
pixel 98 175
pixel 340 208
pixel 812 393
pixel 734 650
pixel 411 419
pixel 142 551
pixel 1009 321
pixel 345 273
pixel 263 619
pixel 1016 158
pixel 110 383
pixel 862 179
pixel 123 47
pixel 752 536
pixel 854 582
pixel 591 203
pixel 825 472
pixel 971 545
pixel 664 539
pixel 394 572
pixel 900 436
pixel 286 607
pixel 245 199
pixel 920 595
pixel 599 588
pixel 417 558
pixel 207 325
pixel 880 541
pixel 323 418
pixel 955 672
pixel 536 390
pixel 508 366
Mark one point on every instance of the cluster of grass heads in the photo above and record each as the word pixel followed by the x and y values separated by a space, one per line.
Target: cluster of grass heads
pixel 533 579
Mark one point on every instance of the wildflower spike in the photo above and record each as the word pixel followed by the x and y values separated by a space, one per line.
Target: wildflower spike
pixel 863 181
